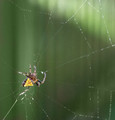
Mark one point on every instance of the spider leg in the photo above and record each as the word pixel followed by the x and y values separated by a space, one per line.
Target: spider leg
pixel 23 83
pixel 35 70
pixel 22 73
pixel 44 77
pixel 38 83
pixel 30 69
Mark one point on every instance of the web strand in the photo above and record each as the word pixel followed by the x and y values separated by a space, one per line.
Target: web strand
pixel 110 105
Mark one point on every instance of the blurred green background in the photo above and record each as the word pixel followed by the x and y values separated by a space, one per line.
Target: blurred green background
pixel 73 41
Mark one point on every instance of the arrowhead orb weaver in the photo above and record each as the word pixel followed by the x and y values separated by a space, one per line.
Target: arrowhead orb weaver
pixel 32 78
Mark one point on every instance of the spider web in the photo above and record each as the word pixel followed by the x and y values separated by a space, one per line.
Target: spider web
pixel 78 57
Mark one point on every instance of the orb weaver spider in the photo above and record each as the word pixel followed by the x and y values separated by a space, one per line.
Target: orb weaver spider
pixel 32 78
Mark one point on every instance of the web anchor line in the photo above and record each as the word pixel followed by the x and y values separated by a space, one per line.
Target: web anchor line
pixel 76 12
pixel 22 93
pixel 86 55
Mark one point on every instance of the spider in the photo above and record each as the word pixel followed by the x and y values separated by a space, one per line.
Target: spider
pixel 32 78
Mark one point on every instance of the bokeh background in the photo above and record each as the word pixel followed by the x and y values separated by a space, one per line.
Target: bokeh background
pixel 74 42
